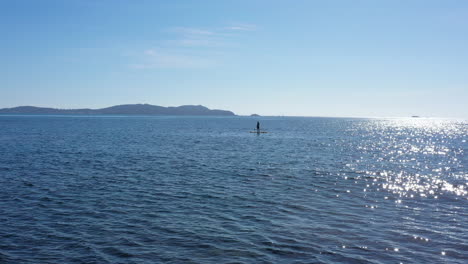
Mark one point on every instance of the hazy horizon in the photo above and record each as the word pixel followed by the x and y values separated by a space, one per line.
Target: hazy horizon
pixel 236 114
pixel 310 58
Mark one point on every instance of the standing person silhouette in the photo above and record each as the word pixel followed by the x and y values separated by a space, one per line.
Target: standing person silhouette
pixel 258 126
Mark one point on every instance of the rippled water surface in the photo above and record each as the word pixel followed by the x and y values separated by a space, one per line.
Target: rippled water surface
pixel 204 190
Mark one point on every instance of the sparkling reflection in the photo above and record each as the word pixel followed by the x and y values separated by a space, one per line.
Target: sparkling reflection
pixel 425 156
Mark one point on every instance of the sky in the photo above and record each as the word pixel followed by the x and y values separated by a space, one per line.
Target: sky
pixel 300 58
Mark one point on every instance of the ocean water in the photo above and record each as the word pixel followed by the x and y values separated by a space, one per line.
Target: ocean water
pixel 116 189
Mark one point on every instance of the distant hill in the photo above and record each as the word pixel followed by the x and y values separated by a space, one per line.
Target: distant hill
pixel 129 109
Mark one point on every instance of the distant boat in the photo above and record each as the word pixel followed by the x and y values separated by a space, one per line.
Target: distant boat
pixel 415 116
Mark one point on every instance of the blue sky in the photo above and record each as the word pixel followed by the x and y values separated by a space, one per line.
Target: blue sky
pixel 307 58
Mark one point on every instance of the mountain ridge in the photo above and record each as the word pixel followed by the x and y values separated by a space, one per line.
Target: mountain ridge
pixel 125 109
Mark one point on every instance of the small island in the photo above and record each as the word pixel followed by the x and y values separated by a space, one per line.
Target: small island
pixel 128 109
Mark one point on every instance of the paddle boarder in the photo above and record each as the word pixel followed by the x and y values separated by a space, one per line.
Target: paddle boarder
pixel 258 126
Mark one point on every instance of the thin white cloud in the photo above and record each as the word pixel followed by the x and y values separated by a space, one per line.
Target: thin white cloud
pixel 198 42
pixel 158 58
pixel 191 47
pixel 192 31
pixel 242 27
pixel 150 52
pixel 192 37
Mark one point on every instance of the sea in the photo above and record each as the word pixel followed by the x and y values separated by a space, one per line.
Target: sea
pixel 174 189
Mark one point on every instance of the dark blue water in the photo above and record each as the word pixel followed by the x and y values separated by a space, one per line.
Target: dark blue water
pixel 204 190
